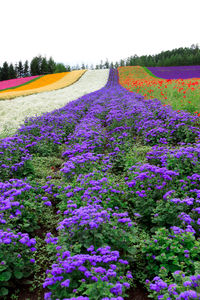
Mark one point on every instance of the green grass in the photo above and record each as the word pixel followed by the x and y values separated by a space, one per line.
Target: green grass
pixel 136 154
pixel 150 73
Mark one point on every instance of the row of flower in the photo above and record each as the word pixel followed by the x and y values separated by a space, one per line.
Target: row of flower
pixel 44 83
pixel 179 93
pixel 178 72
pixel 12 83
pixel 13 113
pixel 114 213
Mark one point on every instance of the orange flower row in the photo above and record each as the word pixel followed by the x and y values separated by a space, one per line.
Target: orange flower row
pixel 43 84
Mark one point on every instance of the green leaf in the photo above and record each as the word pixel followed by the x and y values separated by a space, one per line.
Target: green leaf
pixel 5 276
pixel 26 225
pixel 18 274
pixel 131 250
pixel 2 268
pixel 3 291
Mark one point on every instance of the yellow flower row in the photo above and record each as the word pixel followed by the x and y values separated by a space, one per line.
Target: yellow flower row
pixel 46 83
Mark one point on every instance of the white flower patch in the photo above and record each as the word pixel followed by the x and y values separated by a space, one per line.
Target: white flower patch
pixel 14 112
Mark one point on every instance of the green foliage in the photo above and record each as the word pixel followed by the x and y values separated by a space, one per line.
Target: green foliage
pixel 119 236
pixel 40 65
pixel 35 65
pixel 179 284
pixel 13 158
pixel 137 153
pixel 12 72
pixel 51 65
pixel 110 195
pixel 184 134
pixel 173 251
pixel 60 68
pixel 95 290
pixel 44 66
pixel 34 214
pixel 185 164
pixel 15 265
pixel 44 258
pixel 176 57
pixel 147 190
pixel 45 166
pixel 20 69
pixel 5 71
pixel 26 69
pixel 166 212
pixel 46 148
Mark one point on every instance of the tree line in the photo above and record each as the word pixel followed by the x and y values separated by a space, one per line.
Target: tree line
pixel 40 65
pixel 187 56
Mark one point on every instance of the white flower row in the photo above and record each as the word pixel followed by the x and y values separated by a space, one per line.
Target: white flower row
pixel 14 112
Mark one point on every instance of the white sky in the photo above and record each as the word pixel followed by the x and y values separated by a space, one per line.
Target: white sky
pixel 76 31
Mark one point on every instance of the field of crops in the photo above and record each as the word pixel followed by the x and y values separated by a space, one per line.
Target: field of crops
pixel 179 72
pixel 44 83
pixel 13 113
pixel 12 83
pixel 179 93
pixel 100 199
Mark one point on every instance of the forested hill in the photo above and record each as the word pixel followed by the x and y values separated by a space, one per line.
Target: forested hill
pixel 40 65
pixel 176 57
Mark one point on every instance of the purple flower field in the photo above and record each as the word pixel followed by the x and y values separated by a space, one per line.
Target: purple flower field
pixel 119 204
pixel 184 72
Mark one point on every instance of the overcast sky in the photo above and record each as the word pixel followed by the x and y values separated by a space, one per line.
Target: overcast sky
pixel 76 31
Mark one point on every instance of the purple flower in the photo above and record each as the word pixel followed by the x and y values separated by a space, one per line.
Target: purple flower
pixel 65 283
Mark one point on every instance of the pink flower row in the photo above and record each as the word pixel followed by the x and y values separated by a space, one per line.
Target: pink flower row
pixel 5 84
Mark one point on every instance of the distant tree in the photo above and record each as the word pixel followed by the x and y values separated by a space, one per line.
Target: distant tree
pixel 68 68
pixel 151 62
pixel 16 69
pixel 83 66
pixel 26 69
pixel 12 72
pixel 60 68
pixel 92 67
pixel 101 65
pixel 5 71
pixel 131 61
pixel 20 69
pixel 116 65
pixel 106 64
pixel 51 66
pixel 196 59
pixel 193 46
pixel 44 69
pixel 122 63
pixel 35 65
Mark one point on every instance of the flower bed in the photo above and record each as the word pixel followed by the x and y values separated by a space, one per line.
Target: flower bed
pixel 12 83
pixel 178 72
pixel 13 114
pixel 45 83
pixel 181 94
pixel 122 215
